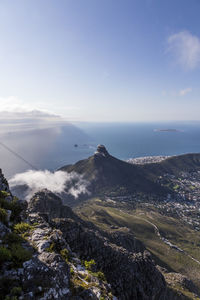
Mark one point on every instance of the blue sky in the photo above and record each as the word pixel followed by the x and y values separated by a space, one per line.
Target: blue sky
pixel 105 60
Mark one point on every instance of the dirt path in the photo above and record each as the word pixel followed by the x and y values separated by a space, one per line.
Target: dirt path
pixel 167 242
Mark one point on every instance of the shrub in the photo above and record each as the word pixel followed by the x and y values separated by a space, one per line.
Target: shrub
pixel 11 298
pixel 4 194
pixel 6 285
pixel 19 255
pixel 65 254
pixel 12 238
pixel 13 205
pixel 71 271
pixel 101 276
pixel 89 264
pixel 3 215
pixel 4 204
pixel 5 254
pixel 16 291
pixel 51 248
pixel 15 208
pixel 22 227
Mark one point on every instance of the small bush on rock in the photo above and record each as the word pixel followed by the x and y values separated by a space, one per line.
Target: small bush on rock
pixel 22 228
pixel 16 210
pixel 5 254
pixel 65 254
pixel 19 255
pixel 51 248
pixel 89 264
pixel 3 215
pixel 16 291
pixel 101 276
pixel 12 238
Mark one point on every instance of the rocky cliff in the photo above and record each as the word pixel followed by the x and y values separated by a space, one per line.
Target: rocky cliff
pixel 48 252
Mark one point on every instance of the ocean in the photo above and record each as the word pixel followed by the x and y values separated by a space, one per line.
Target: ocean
pixel 54 147
pixel 128 140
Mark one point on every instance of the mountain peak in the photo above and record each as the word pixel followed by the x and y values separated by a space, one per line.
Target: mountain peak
pixel 101 150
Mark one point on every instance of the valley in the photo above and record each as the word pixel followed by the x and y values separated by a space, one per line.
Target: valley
pixel 173 243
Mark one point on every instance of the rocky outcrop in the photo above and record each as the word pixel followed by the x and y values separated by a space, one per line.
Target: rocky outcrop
pixel 3 183
pixel 131 275
pixel 101 151
pixel 49 205
pixel 53 254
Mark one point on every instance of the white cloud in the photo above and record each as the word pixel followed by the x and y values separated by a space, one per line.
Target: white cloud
pixel 12 107
pixel 185 91
pixel 185 47
pixel 56 182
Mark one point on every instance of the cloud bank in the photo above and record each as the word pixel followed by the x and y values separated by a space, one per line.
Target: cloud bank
pixel 57 182
pixel 185 47
pixel 16 115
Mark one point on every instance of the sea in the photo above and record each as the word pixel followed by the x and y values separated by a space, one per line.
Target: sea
pixel 54 147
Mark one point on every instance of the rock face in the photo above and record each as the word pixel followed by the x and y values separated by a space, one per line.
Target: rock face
pixel 101 150
pixel 3 183
pixel 54 254
pixel 48 204
pixel 132 275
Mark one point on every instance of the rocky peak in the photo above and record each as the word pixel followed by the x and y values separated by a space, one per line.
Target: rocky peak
pixel 3 183
pixel 101 150
pixel 50 205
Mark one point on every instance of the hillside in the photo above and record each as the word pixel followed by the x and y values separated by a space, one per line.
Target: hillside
pixel 174 165
pixel 108 175
pixel 48 252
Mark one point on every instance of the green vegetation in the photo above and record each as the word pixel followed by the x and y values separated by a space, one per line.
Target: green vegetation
pixel 12 238
pixel 139 222
pixel 12 250
pixel 71 271
pixel 3 215
pixel 101 276
pixel 89 264
pixel 19 255
pixel 5 254
pixel 16 291
pixel 176 187
pixel 15 254
pixel 13 205
pixel 51 248
pixel 65 254
pixel 4 194
pixel 22 227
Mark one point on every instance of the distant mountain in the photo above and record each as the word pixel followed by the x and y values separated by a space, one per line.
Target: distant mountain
pixel 109 175
pixel 174 165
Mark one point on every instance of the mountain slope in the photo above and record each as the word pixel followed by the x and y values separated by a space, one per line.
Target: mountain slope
pixel 107 174
pixel 174 165
pixel 111 176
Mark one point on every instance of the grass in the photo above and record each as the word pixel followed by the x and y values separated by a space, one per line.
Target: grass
pixel 137 220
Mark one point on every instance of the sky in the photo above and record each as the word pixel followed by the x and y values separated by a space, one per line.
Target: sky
pixel 100 60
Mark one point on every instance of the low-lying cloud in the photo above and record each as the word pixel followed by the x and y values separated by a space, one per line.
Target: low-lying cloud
pixel 56 182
